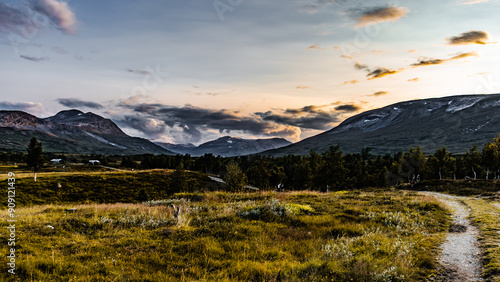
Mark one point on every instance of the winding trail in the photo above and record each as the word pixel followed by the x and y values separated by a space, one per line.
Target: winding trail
pixel 460 256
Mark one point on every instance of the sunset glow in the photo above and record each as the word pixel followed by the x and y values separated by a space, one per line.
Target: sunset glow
pixel 192 71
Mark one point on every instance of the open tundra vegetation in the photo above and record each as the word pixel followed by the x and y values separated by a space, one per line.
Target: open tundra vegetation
pixel 296 236
pixel 193 236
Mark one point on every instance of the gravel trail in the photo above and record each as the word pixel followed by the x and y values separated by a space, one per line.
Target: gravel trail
pixel 461 256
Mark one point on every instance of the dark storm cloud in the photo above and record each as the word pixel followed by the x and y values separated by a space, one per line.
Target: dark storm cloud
pixel 77 103
pixel 310 117
pixel 193 121
pixel 318 121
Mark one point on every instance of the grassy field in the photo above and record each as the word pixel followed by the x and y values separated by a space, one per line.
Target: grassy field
pixel 267 236
pixel 486 215
pixel 102 187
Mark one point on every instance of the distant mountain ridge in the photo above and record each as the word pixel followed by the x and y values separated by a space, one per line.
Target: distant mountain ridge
pixel 228 146
pixel 71 131
pixel 457 122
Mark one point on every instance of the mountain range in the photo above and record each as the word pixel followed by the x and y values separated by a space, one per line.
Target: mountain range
pixel 457 122
pixel 75 132
pixel 71 131
pixel 228 146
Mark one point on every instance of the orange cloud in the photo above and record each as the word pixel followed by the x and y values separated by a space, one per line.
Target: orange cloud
pixel 380 72
pixel 351 82
pixel 429 62
pixel 379 93
pixel 381 14
pixel 470 37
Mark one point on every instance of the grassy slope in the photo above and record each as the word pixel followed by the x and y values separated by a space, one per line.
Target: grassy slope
pixel 305 236
pixel 101 187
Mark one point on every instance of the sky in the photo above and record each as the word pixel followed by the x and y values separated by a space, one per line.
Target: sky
pixel 190 71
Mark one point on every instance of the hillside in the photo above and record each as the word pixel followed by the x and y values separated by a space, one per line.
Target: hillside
pixel 71 132
pixel 457 122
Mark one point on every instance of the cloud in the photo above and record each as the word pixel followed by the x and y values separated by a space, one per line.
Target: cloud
pixel 27 19
pixel 348 108
pixel 59 13
pixel 375 73
pixel 22 106
pixel 77 103
pixel 141 72
pixel 414 79
pixel 15 19
pixel 193 121
pixel 190 123
pixel 351 82
pixel 469 37
pixel 33 59
pixel 380 14
pixel 380 72
pixel 150 126
pixel 464 55
pixel 310 117
pixel 302 87
pixel 429 61
pixel 471 2
pixel 318 121
pixel 315 47
pixel 379 93
pixel 359 66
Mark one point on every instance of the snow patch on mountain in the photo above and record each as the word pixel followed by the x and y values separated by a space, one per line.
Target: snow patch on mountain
pixel 457 105
pixel 103 140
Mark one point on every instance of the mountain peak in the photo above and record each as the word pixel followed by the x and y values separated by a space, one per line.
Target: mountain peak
pixel 457 122
pixel 86 121
pixel 19 119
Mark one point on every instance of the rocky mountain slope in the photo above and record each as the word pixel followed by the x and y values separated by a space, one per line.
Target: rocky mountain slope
pixel 228 146
pixel 71 131
pixel 457 122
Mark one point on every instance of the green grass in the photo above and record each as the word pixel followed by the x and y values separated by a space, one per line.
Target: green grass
pixel 298 236
pixel 486 216
pixel 101 187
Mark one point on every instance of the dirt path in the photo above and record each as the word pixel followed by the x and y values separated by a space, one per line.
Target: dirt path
pixel 460 255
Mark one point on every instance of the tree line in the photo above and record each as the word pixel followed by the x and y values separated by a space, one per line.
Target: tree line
pixel 335 170
pixel 331 169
